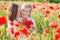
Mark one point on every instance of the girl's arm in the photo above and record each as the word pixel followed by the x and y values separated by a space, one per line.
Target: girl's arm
pixel 33 28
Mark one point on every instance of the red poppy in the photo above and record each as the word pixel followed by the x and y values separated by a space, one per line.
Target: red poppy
pixel 18 24
pixel 57 36
pixel 34 6
pixel 53 24
pixel 5 8
pixel 58 30
pixel 28 23
pixel 25 31
pixel 2 20
pixel 16 34
pixel 12 23
pixel 47 12
pixel 51 7
pixel 59 16
pixel 57 8
pixel 46 30
pixel 12 30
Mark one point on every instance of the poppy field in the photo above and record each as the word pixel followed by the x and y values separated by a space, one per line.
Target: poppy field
pixel 46 16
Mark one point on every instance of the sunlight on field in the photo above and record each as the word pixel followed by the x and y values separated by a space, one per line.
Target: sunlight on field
pixel 46 16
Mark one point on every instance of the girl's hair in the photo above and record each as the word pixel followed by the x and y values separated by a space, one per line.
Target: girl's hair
pixel 14 10
pixel 27 6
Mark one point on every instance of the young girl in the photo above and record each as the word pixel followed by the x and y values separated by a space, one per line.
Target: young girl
pixel 13 13
pixel 25 14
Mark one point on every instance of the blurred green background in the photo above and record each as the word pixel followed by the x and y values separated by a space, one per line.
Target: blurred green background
pixel 51 1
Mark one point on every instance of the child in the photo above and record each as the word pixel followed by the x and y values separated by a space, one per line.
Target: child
pixel 25 14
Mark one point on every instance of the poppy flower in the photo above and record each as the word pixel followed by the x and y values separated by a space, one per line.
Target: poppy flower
pixel 2 20
pixel 5 8
pixel 53 24
pixel 58 30
pixel 47 12
pixel 59 16
pixel 51 7
pixel 16 34
pixel 57 36
pixel 12 30
pixel 33 6
pixel 46 30
pixel 18 24
pixel 12 23
pixel 28 23
pixel 57 8
pixel 25 31
pixel 5 2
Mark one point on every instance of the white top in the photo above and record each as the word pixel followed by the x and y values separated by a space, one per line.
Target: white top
pixel 8 23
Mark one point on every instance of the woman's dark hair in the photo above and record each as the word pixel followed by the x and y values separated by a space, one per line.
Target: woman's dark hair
pixel 14 11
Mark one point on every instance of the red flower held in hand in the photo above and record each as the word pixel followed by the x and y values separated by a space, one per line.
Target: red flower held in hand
pixel 12 30
pixel 12 23
pixel 2 20
pixel 53 24
pixel 25 31
pixel 16 34
pixel 28 23
pixel 18 24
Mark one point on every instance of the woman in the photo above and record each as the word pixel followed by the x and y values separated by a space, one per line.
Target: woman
pixel 13 13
